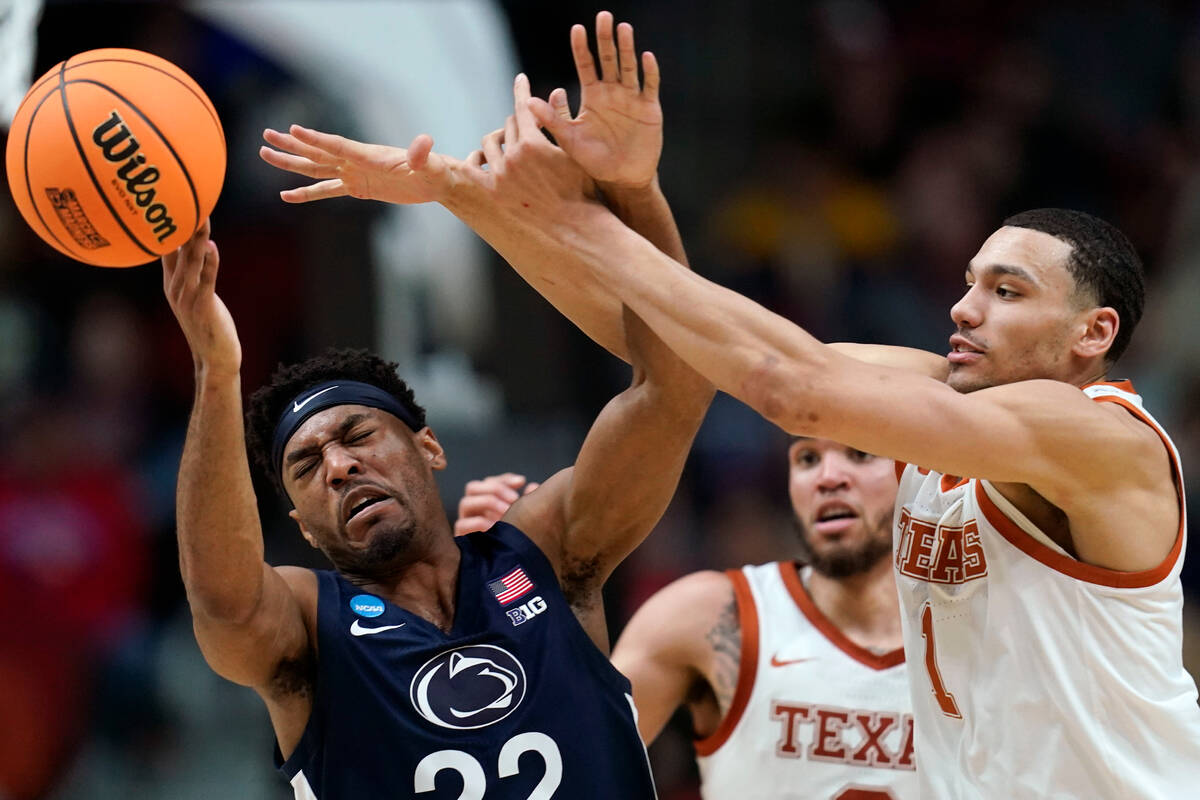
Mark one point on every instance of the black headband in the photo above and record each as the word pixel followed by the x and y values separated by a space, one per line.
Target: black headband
pixel 332 393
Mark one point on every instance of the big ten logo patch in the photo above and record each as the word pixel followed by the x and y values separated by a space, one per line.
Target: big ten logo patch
pixel 526 611
pixel 937 553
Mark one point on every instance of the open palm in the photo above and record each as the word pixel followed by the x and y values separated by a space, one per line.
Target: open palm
pixel 344 167
pixel 617 135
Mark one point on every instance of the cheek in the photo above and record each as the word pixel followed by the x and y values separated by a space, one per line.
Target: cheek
pixel 796 492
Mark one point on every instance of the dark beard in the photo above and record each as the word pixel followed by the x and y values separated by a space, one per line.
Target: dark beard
pixel 388 553
pixel 847 563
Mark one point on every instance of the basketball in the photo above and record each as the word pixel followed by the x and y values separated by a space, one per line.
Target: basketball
pixel 115 157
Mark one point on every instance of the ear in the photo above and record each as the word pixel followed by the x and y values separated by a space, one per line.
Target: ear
pixel 308 537
pixel 431 448
pixel 1100 326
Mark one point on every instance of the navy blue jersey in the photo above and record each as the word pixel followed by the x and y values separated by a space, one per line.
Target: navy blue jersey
pixel 514 702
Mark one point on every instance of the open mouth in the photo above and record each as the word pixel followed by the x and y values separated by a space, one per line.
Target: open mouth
pixel 359 500
pixel 834 517
pixel 363 506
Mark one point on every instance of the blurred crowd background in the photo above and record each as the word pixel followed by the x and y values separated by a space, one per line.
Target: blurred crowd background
pixel 838 161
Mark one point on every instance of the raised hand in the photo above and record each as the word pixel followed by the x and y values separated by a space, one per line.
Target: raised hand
pixel 520 169
pixel 343 167
pixel 485 501
pixel 617 135
pixel 189 282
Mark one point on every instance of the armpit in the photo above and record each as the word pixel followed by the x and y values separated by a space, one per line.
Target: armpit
pixel 294 678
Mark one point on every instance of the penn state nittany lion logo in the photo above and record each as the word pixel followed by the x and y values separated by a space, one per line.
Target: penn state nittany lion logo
pixel 468 687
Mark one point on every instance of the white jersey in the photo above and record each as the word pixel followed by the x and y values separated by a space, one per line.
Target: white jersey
pixel 814 715
pixel 1067 681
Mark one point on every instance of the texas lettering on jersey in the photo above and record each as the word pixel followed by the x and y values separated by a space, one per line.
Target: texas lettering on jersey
pixel 846 735
pixel 928 551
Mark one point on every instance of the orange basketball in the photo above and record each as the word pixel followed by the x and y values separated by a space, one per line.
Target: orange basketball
pixel 115 157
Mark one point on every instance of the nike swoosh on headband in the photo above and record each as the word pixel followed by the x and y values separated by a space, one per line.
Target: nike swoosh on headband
pixel 297 406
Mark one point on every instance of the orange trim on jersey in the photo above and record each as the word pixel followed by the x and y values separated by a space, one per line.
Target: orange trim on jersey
pixel 951 482
pixel 1125 386
pixel 795 587
pixel 747 668
pixel 900 467
pixel 1078 569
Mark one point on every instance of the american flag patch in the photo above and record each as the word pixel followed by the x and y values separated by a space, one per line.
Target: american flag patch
pixel 511 586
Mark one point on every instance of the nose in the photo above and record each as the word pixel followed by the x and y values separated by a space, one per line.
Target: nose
pixel 340 465
pixel 833 475
pixel 967 312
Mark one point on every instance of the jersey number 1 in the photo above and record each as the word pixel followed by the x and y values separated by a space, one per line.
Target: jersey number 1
pixel 944 698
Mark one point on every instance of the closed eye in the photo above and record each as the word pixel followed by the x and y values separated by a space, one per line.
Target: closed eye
pixel 303 468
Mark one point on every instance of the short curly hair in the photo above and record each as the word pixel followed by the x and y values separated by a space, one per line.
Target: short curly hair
pixel 287 382
pixel 1103 263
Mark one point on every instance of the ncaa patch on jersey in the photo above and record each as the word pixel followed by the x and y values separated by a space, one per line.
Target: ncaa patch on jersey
pixel 468 687
pixel 366 605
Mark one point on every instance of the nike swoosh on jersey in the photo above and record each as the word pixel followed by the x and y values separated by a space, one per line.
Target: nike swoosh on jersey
pixel 297 406
pixel 358 629
pixel 776 662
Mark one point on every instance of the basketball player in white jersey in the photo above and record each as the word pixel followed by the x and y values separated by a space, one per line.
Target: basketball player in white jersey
pixel 794 676
pixel 1040 525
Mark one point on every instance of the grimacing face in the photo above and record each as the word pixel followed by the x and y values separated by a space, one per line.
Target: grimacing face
pixel 843 500
pixel 362 485
pixel 1021 314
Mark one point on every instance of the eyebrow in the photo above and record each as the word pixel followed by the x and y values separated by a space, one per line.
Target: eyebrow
pixel 1006 269
pixel 304 452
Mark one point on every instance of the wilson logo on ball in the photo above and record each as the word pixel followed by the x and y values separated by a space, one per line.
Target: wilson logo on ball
pixel 120 146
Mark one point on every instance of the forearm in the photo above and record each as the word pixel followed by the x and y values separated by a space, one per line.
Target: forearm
pixel 555 271
pixel 647 212
pixel 545 264
pixel 740 347
pixel 220 537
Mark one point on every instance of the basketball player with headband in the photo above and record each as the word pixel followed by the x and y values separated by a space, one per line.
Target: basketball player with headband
pixel 423 664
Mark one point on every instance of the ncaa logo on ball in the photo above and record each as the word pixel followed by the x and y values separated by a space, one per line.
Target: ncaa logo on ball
pixel 468 687
pixel 366 605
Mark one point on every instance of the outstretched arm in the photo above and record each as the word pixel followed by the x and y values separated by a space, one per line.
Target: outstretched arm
pixel 247 619
pixel 346 168
pixel 589 517
pixel 616 139
pixel 1041 433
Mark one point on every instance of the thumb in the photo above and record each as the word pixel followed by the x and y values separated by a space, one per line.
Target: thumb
pixel 418 151
pixel 558 101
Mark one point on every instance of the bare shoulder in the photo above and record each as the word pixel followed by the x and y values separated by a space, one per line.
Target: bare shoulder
pixel 1072 429
pixel 694 616
pixel 303 584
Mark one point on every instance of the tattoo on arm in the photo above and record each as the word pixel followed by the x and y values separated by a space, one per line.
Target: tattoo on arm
pixel 725 637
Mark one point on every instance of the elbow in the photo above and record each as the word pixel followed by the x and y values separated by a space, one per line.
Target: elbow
pixel 784 396
pixel 229 608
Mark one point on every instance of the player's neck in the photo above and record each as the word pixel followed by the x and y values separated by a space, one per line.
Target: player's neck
pixel 864 607
pixel 427 587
